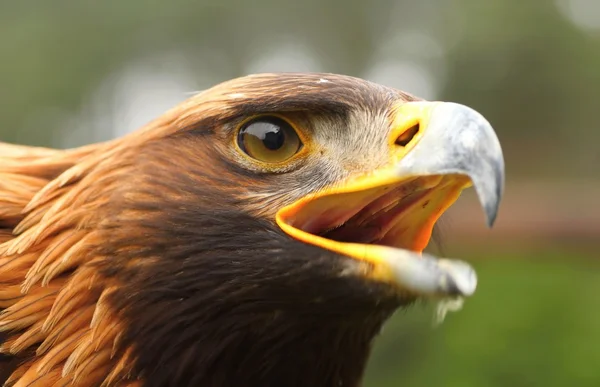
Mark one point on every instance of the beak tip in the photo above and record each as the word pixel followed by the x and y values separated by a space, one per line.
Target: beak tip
pixel 490 195
pixel 491 217
pixel 491 208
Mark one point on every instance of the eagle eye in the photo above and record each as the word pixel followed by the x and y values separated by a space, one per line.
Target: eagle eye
pixel 269 139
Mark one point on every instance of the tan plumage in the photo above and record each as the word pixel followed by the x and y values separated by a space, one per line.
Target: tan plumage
pixel 156 260
pixel 45 305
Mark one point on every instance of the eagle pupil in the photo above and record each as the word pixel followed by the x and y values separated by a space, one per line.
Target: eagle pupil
pixel 271 131
pixel 273 139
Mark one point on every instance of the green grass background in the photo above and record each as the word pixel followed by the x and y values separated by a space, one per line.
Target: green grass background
pixel 534 321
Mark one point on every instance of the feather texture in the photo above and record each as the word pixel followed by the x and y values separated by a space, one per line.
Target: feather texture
pixel 154 260
pixel 49 288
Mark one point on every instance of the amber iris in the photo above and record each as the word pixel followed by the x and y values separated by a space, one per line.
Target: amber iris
pixel 269 139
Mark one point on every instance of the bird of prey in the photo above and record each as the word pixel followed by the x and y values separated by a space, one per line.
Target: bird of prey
pixel 258 234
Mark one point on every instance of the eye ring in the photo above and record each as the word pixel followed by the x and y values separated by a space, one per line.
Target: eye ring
pixel 269 139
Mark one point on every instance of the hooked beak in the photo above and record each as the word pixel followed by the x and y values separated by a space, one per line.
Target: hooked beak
pixel 385 218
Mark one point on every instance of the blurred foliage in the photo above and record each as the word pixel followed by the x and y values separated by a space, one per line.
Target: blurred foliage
pixel 526 66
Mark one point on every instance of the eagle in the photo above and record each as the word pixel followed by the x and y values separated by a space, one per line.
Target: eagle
pixel 259 233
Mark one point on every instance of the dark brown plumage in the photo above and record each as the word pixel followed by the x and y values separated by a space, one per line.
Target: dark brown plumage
pixel 155 260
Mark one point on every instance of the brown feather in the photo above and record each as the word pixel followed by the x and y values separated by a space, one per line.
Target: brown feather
pixel 46 220
pixel 87 244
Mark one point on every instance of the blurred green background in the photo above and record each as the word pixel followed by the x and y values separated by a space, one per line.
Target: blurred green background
pixel 74 72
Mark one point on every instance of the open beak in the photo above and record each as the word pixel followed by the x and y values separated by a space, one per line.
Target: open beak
pixel 385 218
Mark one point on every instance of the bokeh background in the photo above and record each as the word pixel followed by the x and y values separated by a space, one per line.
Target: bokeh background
pixel 74 72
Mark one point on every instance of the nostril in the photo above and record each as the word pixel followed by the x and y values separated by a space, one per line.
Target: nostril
pixel 406 137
